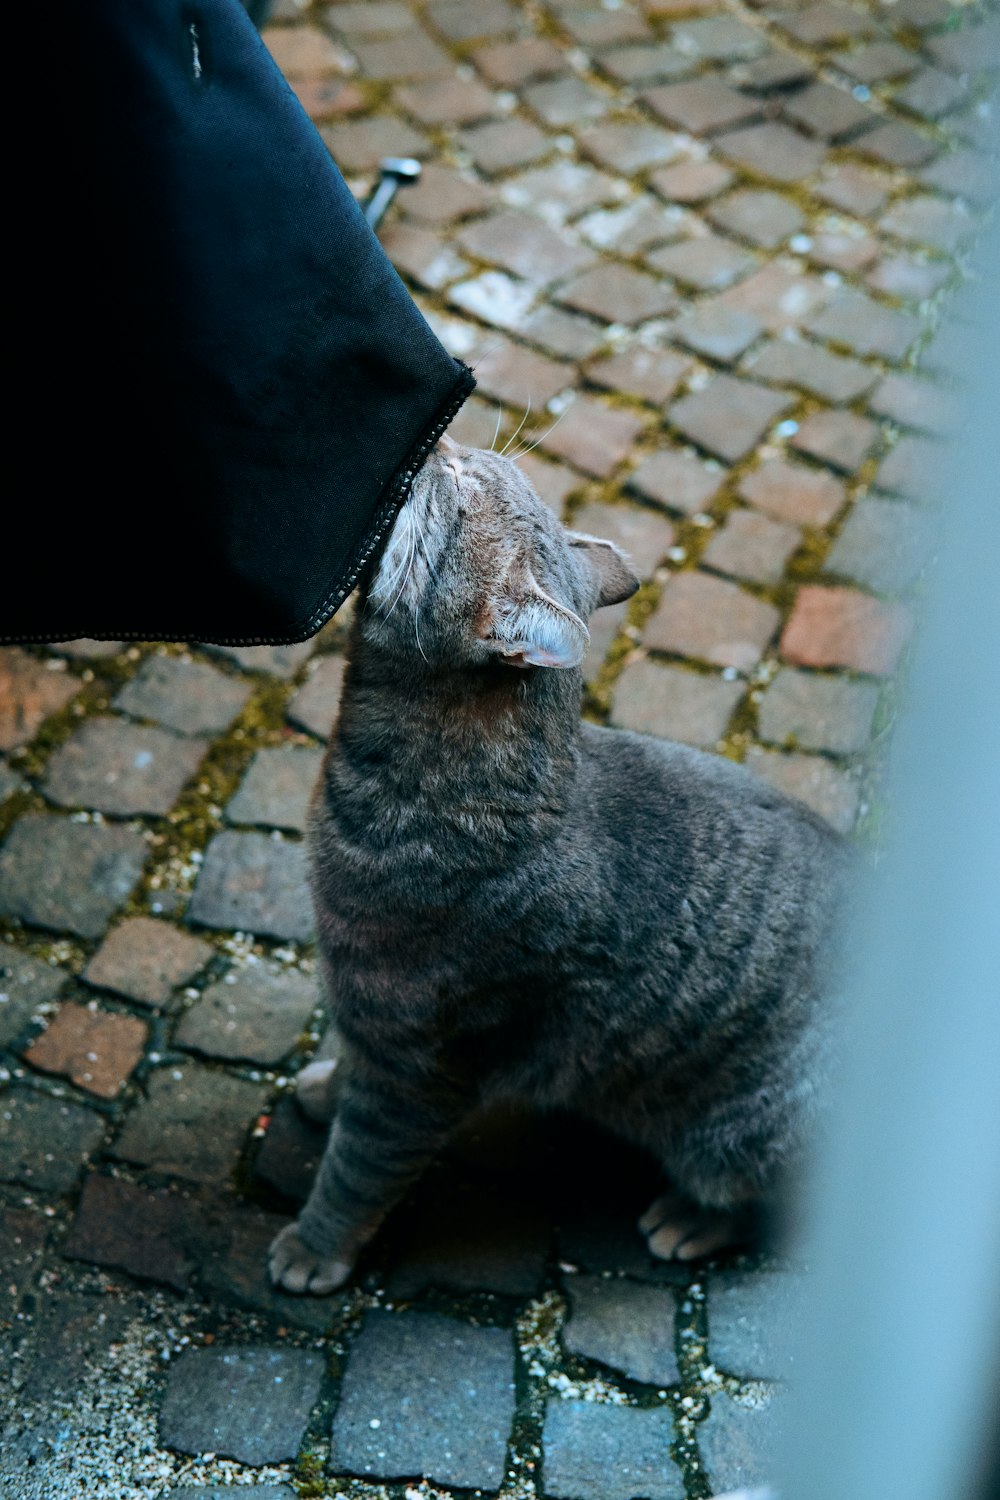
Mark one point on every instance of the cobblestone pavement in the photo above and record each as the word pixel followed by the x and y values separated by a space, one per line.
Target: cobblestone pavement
pixel 713 240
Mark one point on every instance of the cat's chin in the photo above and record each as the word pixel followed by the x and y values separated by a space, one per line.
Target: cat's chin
pixel 294 1267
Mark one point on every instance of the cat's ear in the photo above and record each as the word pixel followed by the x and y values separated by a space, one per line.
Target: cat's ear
pixel 615 578
pixel 528 628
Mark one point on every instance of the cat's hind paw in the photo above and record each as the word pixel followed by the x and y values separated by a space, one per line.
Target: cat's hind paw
pixel 294 1267
pixel 677 1229
pixel 316 1089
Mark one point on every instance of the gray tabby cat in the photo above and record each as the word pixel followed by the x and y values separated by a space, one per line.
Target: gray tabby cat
pixel 514 904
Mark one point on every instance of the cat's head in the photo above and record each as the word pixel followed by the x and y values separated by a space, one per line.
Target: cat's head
pixel 478 569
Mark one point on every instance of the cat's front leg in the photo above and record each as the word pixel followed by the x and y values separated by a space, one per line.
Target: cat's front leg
pixel 382 1138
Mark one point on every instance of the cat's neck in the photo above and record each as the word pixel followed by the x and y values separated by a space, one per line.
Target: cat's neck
pixel 474 750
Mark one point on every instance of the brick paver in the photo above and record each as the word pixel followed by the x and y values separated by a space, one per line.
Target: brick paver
pixel 706 239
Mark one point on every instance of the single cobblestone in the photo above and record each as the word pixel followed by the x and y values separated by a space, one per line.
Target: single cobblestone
pixel 625 1325
pixel 524 246
pixel 44 1140
pixel 642 534
pixel 66 876
pixel 132 1229
pixel 252 1015
pixel 803 710
pixel 739 1442
pixel 791 492
pixel 841 627
pixel 273 661
pixel 772 151
pixel 884 546
pixel 674 704
pixel 189 696
pixel 707 263
pixel 425 1395
pixel 596 1452
pixel 711 620
pixel 832 377
pixel 702 106
pixel 251 883
pixel 593 437
pixel 812 780
pixel 728 417
pixel 94 1049
pixel 112 766
pixel 649 373
pixel 763 217
pixel 841 439
pixel 30 692
pixel 251 1404
pixel 677 481
pixel 276 789
pixel 618 294
pixel 146 960
pixel 752 547
pixel 719 333
pixel 25 984
pixel 754 1322
pixel 317 702
pixel 191 1124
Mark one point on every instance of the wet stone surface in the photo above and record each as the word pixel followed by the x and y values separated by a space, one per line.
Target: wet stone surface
pixel 252 883
pixel 116 767
pixel 609 1453
pixel 424 1394
pixel 625 1325
pixel 146 960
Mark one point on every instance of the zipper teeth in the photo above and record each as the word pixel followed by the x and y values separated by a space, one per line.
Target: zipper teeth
pixel 395 497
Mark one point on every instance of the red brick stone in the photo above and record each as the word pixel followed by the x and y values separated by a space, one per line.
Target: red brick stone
pixel 791 492
pixel 525 246
pixel 762 217
pixel 812 780
pixel 447 101
pixel 839 438
pixel 141 1232
pixel 772 150
pixel 643 534
pixel 442 196
pixel 95 1050
pixel 513 374
pixel 841 627
pixel 503 144
pixel 752 547
pixel 691 181
pixel 701 106
pixel 712 620
pixel 676 480
pixel 510 64
pixel 618 294
pixel 673 703
pixel 593 437
pixel 31 690
pixel 146 960
pixel 707 263
pixel 629 148
pixel 856 190
pixel 831 376
pixel 729 416
pixel 650 373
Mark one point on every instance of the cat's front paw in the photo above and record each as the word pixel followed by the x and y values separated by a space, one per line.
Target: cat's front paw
pixel 294 1267
pixel 677 1229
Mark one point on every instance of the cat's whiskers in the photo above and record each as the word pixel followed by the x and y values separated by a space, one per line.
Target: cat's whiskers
pixel 496 432
pixel 555 424
pixel 514 435
pixel 408 561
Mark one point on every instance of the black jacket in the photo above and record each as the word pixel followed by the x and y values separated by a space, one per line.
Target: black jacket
pixel 230 386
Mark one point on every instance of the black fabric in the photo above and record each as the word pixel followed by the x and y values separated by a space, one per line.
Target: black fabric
pixel 231 383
